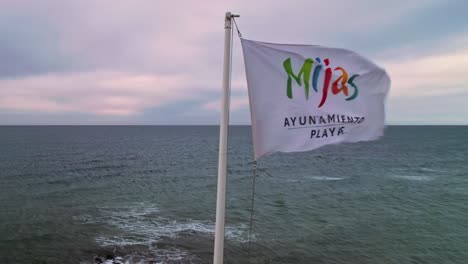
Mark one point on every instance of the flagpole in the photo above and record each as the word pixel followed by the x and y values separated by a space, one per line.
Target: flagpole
pixel 223 142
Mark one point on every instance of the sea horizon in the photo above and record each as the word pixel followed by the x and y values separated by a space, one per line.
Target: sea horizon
pixel 25 125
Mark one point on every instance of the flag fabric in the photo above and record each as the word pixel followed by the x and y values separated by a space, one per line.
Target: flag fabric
pixel 303 97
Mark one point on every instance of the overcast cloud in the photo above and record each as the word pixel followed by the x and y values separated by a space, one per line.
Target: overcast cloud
pixel 159 62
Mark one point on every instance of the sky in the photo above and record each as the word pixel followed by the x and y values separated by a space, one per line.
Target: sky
pixel 157 62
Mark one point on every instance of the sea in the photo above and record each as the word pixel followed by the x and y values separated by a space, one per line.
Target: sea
pixel 147 194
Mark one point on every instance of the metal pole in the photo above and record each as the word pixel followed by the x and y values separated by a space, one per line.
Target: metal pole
pixel 223 142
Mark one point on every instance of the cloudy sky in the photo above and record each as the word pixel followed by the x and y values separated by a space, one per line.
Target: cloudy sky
pixel 160 62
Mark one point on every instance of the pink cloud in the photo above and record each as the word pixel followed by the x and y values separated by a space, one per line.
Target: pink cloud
pixel 237 103
pixel 430 74
pixel 100 93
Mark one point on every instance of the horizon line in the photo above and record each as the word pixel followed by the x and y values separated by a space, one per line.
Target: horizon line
pixel 4 125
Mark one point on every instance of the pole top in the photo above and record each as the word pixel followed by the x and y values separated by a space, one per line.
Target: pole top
pixel 230 15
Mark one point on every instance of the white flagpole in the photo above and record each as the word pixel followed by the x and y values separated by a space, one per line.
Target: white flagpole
pixel 223 142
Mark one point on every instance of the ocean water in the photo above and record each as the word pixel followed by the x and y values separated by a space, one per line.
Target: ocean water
pixel 146 194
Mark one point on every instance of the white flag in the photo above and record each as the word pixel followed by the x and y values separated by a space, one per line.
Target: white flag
pixel 303 97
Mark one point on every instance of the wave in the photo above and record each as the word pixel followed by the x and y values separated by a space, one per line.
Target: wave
pixel 315 178
pixel 142 225
pixel 425 169
pixel 151 227
pixel 413 177
pixel 325 178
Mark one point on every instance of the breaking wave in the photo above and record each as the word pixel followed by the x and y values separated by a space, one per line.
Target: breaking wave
pixel 326 178
pixel 146 224
pixel 413 177
pixel 142 225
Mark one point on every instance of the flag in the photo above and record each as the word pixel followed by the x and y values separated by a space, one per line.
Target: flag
pixel 303 97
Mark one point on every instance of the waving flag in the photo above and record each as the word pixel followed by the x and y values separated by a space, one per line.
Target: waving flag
pixel 303 97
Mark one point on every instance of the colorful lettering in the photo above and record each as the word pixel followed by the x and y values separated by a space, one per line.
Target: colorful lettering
pixel 341 85
pixel 304 72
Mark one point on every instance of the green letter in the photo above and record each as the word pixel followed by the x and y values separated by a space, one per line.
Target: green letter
pixel 305 70
pixel 350 82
